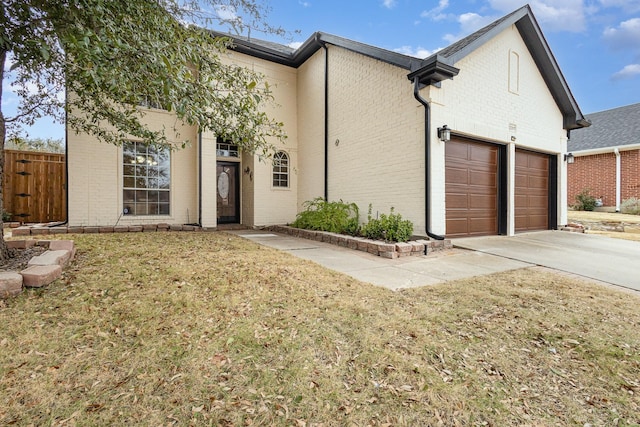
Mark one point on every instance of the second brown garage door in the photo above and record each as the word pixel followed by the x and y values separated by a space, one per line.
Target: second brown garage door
pixel 471 186
pixel 532 191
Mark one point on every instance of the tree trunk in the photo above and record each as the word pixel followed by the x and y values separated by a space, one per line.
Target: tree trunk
pixel 4 251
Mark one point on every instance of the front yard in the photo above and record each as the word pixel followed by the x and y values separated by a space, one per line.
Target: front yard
pixel 207 328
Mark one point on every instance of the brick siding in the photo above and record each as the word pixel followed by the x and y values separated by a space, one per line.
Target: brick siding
pixel 598 174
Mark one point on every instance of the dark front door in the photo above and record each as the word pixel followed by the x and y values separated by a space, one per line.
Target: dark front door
pixel 228 192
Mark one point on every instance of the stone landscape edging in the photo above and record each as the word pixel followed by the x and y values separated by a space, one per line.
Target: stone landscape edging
pixel 375 247
pixel 41 270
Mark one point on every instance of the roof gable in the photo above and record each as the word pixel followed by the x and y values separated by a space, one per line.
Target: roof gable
pixel 441 65
pixel 610 128
pixel 537 45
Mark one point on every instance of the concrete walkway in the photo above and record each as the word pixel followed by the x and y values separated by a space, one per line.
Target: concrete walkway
pixel 407 272
pixel 605 259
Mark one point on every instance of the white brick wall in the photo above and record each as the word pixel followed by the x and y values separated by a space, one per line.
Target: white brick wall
pixel 95 179
pixel 379 158
pixel 310 172
pixel 478 103
pixel 380 155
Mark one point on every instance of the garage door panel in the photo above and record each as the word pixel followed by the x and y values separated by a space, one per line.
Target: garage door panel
pixel 457 176
pixel 480 225
pixel 482 179
pixel 521 180
pixel 487 158
pixel 538 162
pixel 471 185
pixel 537 183
pixel 531 191
pixel 457 151
pixel 480 202
pixel 457 226
pixel 457 201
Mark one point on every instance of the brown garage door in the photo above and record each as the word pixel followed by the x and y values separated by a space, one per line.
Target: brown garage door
pixel 532 191
pixel 471 185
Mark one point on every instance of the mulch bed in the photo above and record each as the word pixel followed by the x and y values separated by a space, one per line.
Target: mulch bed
pixel 20 258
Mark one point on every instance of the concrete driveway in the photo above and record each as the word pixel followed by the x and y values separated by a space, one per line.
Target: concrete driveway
pixel 609 260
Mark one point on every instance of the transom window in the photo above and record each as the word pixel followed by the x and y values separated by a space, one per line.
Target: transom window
pixel 224 149
pixel 146 179
pixel 281 169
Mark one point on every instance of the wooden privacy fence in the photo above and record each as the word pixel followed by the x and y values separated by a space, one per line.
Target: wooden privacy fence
pixel 35 186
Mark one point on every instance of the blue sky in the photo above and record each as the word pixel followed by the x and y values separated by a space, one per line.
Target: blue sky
pixel 596 43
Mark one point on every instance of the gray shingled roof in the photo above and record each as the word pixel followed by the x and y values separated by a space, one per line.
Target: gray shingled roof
pixel 610 128
pixel 451 50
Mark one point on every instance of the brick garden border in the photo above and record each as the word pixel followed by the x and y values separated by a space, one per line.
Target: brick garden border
pixel 374 247
pixel 41 270
pixel 70 229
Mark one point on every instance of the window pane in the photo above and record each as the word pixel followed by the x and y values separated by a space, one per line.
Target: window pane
pixel 141 209
pixel 128 196
pixel 146 169
pixel 281 169
pixel 141 182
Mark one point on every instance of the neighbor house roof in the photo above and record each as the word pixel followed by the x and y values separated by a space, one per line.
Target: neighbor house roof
pixel 618 127
pixel 441 65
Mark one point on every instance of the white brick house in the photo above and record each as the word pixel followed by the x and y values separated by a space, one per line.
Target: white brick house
pixel 362 125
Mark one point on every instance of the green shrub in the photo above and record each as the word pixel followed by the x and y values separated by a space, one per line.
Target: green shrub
pixel 391 228
pixel 585 201
pixel 631 206
pixel 336 217
pixel 6 216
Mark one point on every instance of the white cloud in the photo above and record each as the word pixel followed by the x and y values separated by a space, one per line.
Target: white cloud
pixel 418 52
pixel 553 15
pixel 628 72
pixel 226 12
pixel 304 3
pixel 294 45
pixel 436 13
pixel 469 22
pixel 389 4
pixel 625 36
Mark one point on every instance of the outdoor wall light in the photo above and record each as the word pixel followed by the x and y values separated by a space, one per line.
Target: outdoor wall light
pixel 247 170
pixel 569 158
pixel 444 133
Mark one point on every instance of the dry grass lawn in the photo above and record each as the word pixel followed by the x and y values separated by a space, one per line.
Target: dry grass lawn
pixel 602 217
pixel 209 329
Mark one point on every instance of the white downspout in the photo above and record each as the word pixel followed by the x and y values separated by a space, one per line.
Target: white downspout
pixel 618 180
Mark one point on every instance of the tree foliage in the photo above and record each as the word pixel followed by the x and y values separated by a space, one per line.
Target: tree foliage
pixel 108 56
pixel 111 55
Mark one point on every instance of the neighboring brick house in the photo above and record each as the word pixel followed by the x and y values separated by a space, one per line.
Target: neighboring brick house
pixel 363 126
pixel 607 157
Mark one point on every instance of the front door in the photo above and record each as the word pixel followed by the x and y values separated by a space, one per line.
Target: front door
pixel 228 192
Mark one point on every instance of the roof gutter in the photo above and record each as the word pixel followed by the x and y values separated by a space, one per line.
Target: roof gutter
pixel 604 150
pixel 427 158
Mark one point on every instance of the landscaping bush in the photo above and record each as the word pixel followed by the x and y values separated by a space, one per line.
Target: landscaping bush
pixel 585 201
pixel 335 217
pixel 391 228
pixel 631 206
